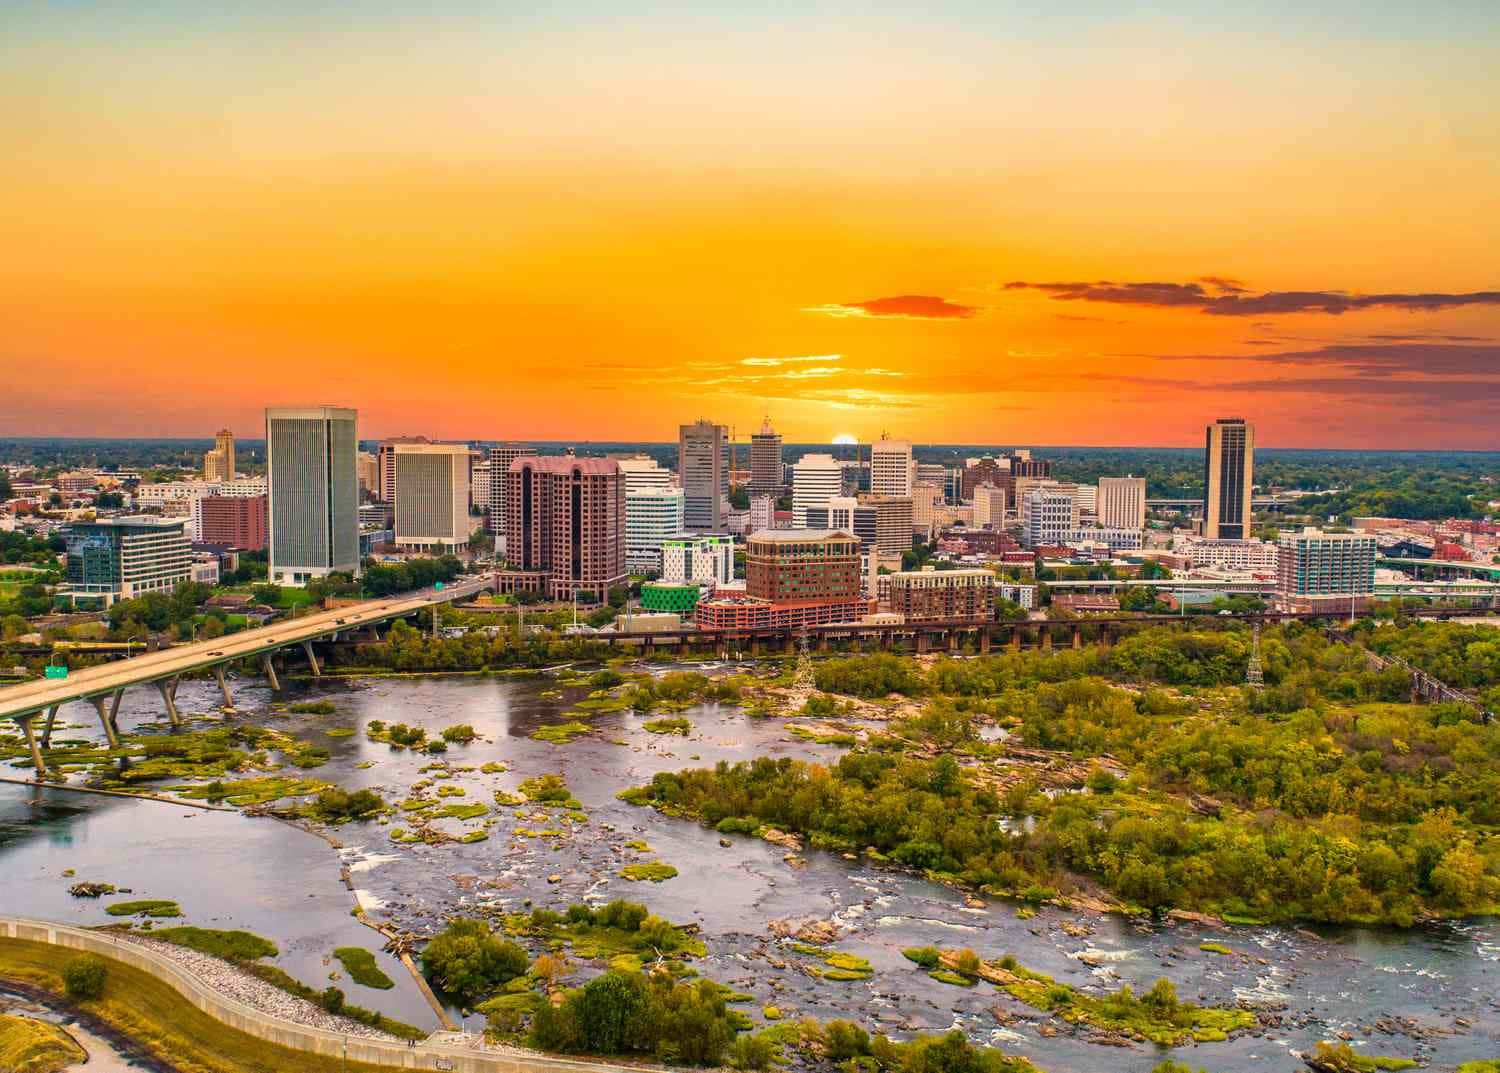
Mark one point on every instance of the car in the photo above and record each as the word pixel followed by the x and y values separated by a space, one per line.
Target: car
pixel 216 653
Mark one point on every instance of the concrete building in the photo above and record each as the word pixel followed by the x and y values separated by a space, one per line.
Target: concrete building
pixel 123 558
pixel 816 478
pixel 314 492
pixel 239 521
pixel 565 526
pixel 890 467
pixel 386 456
pixel 1121 502
pixel 219 463
pixel 653 515
pixel 1023 596
pixel 1048 514
pixel 432 496
pixel 986 470
pixel 1318 570
pixel 1112 537
pixel 480 485
pixel 930 595
pixel 926 499
pixel 765 462
pixel 1023 465
pixel 642 472
pixel 707 560
pixel 500 457
pixel 161 496
pixel 680 598
pixel 990 505
pixel 703 471
pixel 1238 556
pixel 1228 477
pixel 762 513
pixel 367 466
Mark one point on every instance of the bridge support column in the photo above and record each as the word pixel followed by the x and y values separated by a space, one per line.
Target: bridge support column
pixel 789 643
pixel 223 685
pixel 921 642
pixel 1015 639
pixel 47 727
pixel 984 642
pixel 1077 636
pixel 822 642
pixel 1106 637
pixel 885 640
pixel 168 690
pixel 856 643
pixel 1047 638
pixel 270 669
pixel 312 659
pixel 682 647
pixel 107 718
pixel 952 640
pixel 31 743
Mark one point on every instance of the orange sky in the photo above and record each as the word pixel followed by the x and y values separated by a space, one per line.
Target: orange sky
pixel 601 221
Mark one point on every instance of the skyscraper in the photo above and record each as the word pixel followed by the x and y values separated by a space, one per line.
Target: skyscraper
pixel 815 480
pixel 890 467
pixel 703 469
pixel 313 492
pixel 432 496
pixel 500 458
pixel 218 464
pixel 1228 475
pixel 386 453
pixel 1121 502
pixel 653 512
pixel 565 526
pixel 765 461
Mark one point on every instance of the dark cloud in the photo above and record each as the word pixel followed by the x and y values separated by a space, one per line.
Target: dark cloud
pixel 1436 393
pixel 1225 298
pixel 908 306
pixel 1377 359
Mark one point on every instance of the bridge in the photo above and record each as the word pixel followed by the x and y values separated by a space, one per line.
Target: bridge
pixel 104 685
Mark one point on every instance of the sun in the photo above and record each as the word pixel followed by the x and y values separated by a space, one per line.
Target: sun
pixel 843 439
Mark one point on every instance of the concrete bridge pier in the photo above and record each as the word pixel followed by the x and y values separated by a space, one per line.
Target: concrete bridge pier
pixel 922 644
pixel 1077 636
pixel 270 670
pixel 29 730
pixel 107 717
pixel 312 659
pixel 47 727
pixel 789 643
pixel 168 689
pixel 1047 638
pixel 223 685
pixel 1015 639
pixel 822 642
pixel 984 642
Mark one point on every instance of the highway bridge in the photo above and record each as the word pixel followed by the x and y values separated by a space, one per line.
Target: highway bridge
pixel 104 685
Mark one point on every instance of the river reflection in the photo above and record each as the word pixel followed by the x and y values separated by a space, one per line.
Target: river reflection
pixel 1427 993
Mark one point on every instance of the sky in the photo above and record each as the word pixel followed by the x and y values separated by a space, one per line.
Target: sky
pixel 1068 223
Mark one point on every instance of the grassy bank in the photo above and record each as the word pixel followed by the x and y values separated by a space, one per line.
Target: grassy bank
pixel 155 1015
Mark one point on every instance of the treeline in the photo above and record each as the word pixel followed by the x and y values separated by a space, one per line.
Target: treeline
pixel 1463 656
pixel 409 649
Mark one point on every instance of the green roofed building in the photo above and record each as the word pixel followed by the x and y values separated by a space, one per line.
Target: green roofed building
pixel 677 597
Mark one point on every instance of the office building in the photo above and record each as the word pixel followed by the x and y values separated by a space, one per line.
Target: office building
pixel 762 513
pixel 314 493
pixel 1023 465
pixel 123 558
pixel 707 560
pixel 816 479
pixel 793 578
pixel 500 457
pixel 239 521
pixel 161 496
pixel 653 515
pixel 386 457
pixel 1238 556
pixel 991 471
pixel 989 506
pixel 1121 502
pixel 565 526
pixel 1022 595
pixel 219 463
pixel 432 496
pixel 933 473
pixel 930 595
pixel 1228 476
pixel 890 467
pixel 1048 514
pixel 1322 571
pixel 480 485
pixel 367 466
pixel 926 499
pixel 642 472
pixel 765 462
pixel 677 598
pixel 703 471
pixel 1113 538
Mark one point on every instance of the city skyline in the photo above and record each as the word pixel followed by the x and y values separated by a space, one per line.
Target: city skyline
pixel 952 225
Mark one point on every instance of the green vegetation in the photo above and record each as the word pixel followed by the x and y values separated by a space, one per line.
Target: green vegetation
pixel 852 1048
pixel 870 676
pixel 469 961
pixel 560 733
pixel 671 725
pixel 362 968
pixel 84 975
pixel 835 965
pixel 627 1012
pixel 149 907
pixel 314 707
pixel 1342 1058
pixel 336 805
pixel 549 790
pixel 652 871
pixel 229 945
pixel 459 734
pixel 1215 948
pixel 396 735
pixel 28 1045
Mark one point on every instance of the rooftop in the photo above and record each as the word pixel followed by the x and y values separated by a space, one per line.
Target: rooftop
pixel 566 464
pixel 788 536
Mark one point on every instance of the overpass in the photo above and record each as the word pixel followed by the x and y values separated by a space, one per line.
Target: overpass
pixel 104 685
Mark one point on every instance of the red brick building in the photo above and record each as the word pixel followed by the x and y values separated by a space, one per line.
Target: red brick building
pixel 802 564
pixel 564 526
pixel 748 613
pixel 238 521
pixel 931 595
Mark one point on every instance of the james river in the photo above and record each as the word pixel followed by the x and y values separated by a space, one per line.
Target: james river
pixel 1428 993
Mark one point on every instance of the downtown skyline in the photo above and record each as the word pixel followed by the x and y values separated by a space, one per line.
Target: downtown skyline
pixel 599 223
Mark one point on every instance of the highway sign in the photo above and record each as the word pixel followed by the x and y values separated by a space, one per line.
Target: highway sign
pixel 55 672
pixel 438 585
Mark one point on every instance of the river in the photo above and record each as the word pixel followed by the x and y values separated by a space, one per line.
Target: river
pixel 1428 993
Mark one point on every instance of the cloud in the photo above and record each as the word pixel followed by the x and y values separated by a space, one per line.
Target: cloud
pixel 1376 359
pixel 903 306
pixel 773 362
pixel 1226 298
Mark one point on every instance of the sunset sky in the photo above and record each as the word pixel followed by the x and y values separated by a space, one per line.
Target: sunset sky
pixel 976 222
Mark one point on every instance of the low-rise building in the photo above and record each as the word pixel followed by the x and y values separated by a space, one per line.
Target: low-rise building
pixel 123 558
pixel 707 560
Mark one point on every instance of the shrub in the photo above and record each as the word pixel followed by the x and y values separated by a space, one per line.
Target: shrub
pixel 461 734
pixel 468 961
pixel 845 1039
pixel 83 976
pixel 331 999
pixel 751 1053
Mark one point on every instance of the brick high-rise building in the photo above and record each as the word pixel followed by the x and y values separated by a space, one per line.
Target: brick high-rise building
pixel 802 564
pixel 240 521
pixel 565 526
pixel 982 471
pixel 930 595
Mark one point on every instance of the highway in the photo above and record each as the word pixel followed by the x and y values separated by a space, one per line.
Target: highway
pixel 41 694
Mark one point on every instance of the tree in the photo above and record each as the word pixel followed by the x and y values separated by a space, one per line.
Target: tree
pixel 469 962
pixel 608 1009
pixel 84 975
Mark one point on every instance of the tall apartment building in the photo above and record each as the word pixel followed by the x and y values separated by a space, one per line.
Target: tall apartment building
pixel 314 492
pixel 708 560
pixel 930 595
pixel 890 467
pixel 432 496
pixel 1048 514
pixel 565 526
pixel 500 457
pixel 1228 476
pixel 386 457
pixel 219 463
pixel 765 462
pixel 122 558
pixel 1121 502
pixel 816 478
pixel 242 522
pixel 703 470
pixel 1318 571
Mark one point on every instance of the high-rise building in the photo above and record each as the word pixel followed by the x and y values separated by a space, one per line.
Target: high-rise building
pixel 500 458
pixel 565 526
pixel 368 468
pixel 989 505
pixel 816 479
pixel 1023 465
pixel 801 564
pixel 703 470
pixel 480 483
pixel 1228 476
pixel 122 558
pixel 706 559
pixel 432 496
pixel 653 515
pixel 925 501
pixel 930 595
pixel 238 521
pixel 890 467
pixel 386 453
pixel 979 471
pixel 765 462
pixel 1317 570
pixel 1048 514
pixel 219 463
pixel 762 513
pixel 314 492
pixel 642 472
pixel 1122 502
pixel 882 523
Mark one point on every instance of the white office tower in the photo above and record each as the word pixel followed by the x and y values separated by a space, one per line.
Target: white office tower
pixel 762 513
pixel 989 506
pixel 653 515
pixel 642 472
pixel 1122 502
pixel 500 459
pixel 708 560
pixel 890 467
pixel 432 496
pixel 1047 516
pixel 815 480
pixel 313 490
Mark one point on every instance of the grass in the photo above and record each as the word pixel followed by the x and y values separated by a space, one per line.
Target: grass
pixel 155 1015
pixel 229 945
pixel 147 907
pixel 653 871
pixel 560 733
pixel 314 707
pixel 360 964
pixel 31 1046
pixel 836 965
pixel 671 725
pixel 1215 948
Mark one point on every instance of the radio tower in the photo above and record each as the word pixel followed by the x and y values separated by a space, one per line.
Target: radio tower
pixel 1254 675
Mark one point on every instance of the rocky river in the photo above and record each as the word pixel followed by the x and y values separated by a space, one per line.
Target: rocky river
pixel 1429 993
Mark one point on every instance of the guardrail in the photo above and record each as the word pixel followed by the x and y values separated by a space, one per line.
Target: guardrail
pixel 285 1033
